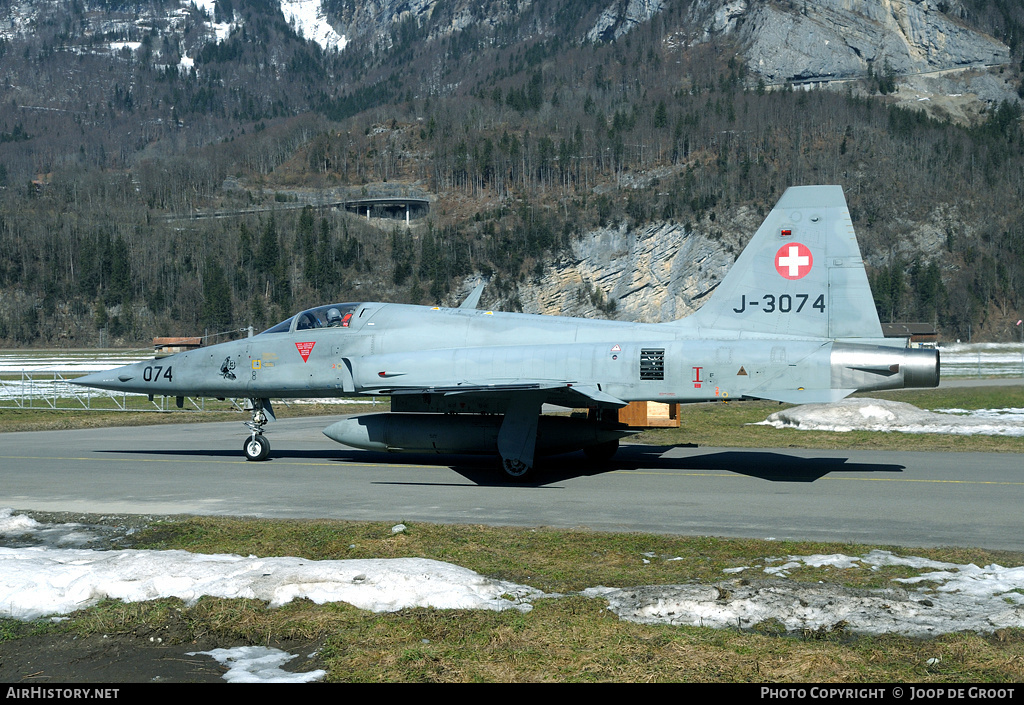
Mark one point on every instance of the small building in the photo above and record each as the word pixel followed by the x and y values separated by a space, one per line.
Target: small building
pixel 169 346
pixel 917 335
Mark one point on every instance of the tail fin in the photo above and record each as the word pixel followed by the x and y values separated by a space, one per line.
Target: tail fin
pixel 801 274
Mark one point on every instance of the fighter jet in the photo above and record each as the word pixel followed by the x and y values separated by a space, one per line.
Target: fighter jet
pixel 792 321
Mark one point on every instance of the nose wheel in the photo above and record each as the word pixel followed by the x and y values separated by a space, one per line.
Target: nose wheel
pixel 256 447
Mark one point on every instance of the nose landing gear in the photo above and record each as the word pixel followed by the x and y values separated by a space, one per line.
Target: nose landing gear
pixel 257 447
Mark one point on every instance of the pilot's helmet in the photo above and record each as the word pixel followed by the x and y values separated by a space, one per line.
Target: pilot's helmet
pixel 333 317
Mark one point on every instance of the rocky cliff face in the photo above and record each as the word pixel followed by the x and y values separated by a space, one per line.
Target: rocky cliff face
pixel 830 39
pixel 619 18
pixel 782 41
pixel 661 272
pixel 375 18
pixel 924 44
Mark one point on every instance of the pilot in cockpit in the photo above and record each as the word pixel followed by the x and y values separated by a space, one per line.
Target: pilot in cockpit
pixel 335 319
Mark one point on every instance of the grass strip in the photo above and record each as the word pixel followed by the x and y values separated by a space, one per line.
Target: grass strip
pixel 568 638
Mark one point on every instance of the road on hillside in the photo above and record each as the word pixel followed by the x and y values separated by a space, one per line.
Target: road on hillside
pixel 899 498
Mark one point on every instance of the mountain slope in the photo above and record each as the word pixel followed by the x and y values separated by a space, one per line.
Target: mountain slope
pixel 566 145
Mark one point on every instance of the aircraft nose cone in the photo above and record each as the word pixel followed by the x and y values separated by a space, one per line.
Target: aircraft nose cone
pixel 120 378
pixel 94 379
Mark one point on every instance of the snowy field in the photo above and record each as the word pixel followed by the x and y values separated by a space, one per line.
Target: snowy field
pixel 61 574
pixel 72 362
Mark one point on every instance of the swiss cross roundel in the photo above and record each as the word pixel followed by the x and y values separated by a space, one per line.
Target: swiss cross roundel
pixel 793 260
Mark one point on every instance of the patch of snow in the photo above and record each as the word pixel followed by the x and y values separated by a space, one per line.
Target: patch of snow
pixel 961 598
pixel 882 415
pixel 12 524
pixel 258 664
pixel 35 582
pixel 311 22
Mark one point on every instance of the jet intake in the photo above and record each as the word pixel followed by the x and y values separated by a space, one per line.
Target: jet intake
pixel 871 367
pixel 463 433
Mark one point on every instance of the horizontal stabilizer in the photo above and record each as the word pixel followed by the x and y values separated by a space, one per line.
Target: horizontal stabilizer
pixel 473 300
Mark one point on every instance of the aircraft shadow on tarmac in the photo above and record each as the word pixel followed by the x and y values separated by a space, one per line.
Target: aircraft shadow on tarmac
pixel 773 466
pixel 766 465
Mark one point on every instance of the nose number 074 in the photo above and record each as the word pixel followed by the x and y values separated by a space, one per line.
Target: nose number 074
pixel 155 372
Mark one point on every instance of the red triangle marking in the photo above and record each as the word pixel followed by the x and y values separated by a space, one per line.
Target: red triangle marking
pixel 305 349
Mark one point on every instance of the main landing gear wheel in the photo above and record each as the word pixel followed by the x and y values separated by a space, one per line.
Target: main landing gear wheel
pixel 516 469
pixel 256 447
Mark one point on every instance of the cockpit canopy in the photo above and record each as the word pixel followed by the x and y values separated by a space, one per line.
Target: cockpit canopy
pixel 329 316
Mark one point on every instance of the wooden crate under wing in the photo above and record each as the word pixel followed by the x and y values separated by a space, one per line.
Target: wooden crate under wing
pixel 650 414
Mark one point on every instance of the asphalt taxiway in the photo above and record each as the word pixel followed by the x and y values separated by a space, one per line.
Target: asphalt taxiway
pixel 887 497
